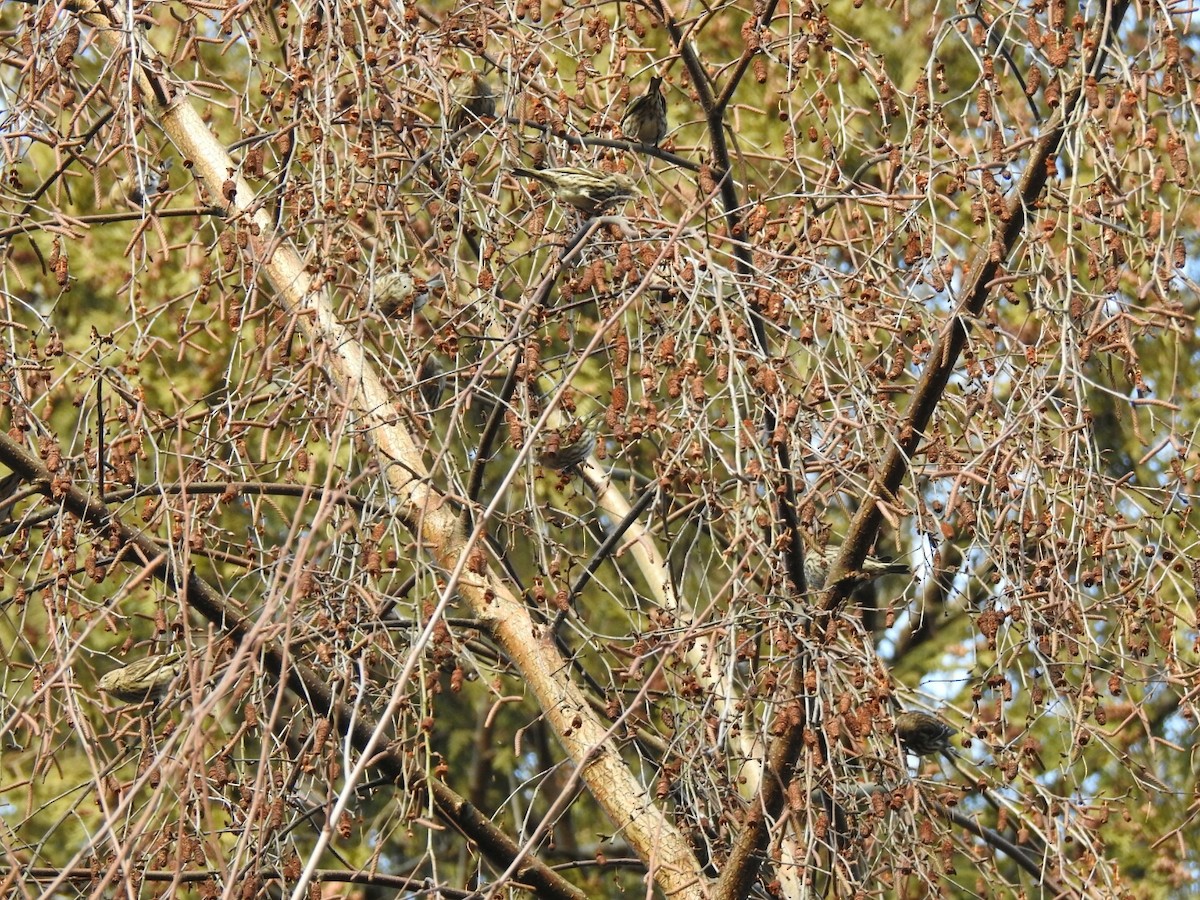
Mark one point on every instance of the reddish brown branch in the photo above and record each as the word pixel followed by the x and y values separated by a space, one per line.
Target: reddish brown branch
pixel 945 355
pixel 747 854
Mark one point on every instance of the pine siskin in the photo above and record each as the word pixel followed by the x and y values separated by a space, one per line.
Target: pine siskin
pixel 562 456
pixel 587 190
pixel 10 484
pixel 924 735
pixel 818 562
pixel 431 380
pixel 399 294
pixel 146 679
pixel 140 188
pixel 474 99
pixel 646 116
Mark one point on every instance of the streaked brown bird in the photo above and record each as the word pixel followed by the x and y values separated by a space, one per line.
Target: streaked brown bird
pixel 645 118
pixel 473 100
pixel 818 562
pixel 921 734
pixel 10 484
pixel 399 294
pixel 587 190
pixel 561 453
pixel 140 188
pixel 431 380
pixel 146 679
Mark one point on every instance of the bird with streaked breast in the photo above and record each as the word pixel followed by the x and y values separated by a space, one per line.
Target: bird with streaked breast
pixel 646 116
pixel 817 564
pixel 921 734
pixel 473 101
pixel 588 190
pixel 146 679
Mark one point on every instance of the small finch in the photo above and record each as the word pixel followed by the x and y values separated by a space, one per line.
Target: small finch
pixel 146 679
pixel 818 562
pixel 431 380
pixel 587 190
pixel 559 454
pixel 140 188
pixel 645 118
pixel 10 484
pixel 474 99
pixel 923 735
pixel 398 294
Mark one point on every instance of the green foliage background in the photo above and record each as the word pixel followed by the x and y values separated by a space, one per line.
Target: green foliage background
pixel 873 150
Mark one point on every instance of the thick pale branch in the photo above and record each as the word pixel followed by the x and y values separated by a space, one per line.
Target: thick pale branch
pixel 421 507
pixel 304 682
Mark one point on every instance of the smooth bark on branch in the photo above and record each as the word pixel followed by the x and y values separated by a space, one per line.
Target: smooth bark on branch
pixel 420 506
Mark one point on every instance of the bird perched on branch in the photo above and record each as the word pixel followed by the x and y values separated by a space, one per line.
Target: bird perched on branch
pixel 817 564
pixel 562 453
pixel 646 116
pixel 587 190
pixel 473 99
pixel 399 294
pixel 921 734
pixel 10 484
pixel 146 679
pixel 140 188
pixel 431 380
